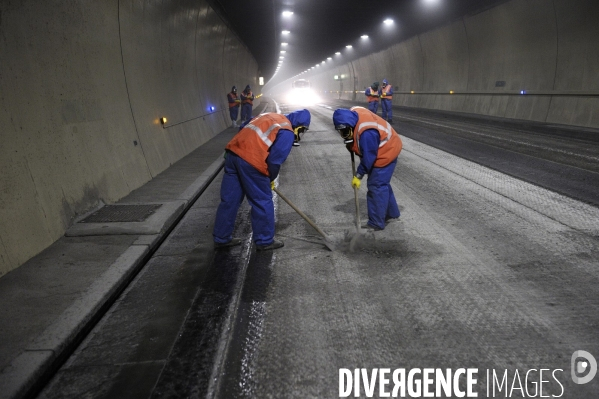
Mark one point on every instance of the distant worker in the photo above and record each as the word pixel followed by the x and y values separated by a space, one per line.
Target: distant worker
pixel 378 145
pixel 234 104
pixel 386 97
pixel 253 159
pixel 247 102
pixel 372 95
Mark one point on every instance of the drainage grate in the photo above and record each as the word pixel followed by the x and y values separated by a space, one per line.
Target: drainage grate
pixel 121 213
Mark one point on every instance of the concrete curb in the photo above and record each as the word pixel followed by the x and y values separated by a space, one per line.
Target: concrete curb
pixel 26 372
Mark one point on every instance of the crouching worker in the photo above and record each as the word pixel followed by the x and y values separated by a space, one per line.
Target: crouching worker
pixel 378 146
pixel 253 159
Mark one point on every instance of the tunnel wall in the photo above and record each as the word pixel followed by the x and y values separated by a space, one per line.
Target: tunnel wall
pixel 82 87
pixel 548 48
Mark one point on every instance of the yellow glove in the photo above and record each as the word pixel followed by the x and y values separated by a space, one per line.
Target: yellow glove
pixel 355 182
pixel 272 185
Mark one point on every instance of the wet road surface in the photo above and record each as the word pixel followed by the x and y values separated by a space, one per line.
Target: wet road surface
pixel 482 270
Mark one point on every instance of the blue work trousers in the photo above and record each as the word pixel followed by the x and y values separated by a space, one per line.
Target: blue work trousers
pixel 373 106
pixel 387 110
pixel 240 180
pixel 233 112
pixel 380 199
pixel 246 112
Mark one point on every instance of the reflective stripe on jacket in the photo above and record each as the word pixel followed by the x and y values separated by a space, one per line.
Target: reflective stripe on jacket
pixel 390 144
pixel 371 96
pixel 247 98
pixel 231 97
pixel 385 90
pixel 253 141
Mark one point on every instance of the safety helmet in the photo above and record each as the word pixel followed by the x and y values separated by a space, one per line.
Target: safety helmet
pixel 234 89
pixel 247 88
pixel 385 82
pixel 375 85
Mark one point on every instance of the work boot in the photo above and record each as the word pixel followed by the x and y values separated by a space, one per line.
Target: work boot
pixel 275 244
pixel 232 243
pixel 234 124
pixel 371 227
pixel 391 220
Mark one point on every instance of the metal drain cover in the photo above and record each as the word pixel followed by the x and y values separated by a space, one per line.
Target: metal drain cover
pixel 121 213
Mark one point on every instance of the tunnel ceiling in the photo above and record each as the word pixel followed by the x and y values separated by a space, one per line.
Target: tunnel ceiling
pixel 320 28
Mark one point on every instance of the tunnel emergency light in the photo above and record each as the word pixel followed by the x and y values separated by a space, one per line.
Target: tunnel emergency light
pixel 412 92
pixel 287 13
pixel 286 32
pixel 450 91
pixel 522 91
pixel 211 108
pixel 163 120
pixel 388 21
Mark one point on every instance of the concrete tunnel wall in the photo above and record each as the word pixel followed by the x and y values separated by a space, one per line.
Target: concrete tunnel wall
pixel 82 88
pixel 549 48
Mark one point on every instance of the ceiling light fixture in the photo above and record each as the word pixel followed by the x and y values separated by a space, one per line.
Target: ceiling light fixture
pixel 388 21
pixel 287 13
pixel 364 36
pixel 286 32
pixel 348 46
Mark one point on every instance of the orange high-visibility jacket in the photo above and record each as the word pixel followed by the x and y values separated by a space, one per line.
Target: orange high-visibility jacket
pixel 253 141
pixel 247 98
pixel 385 90
pixel 232 97
pixel 390 145
pixel 372 95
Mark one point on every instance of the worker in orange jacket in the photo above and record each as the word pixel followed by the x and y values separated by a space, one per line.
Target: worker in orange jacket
pixel 247 103
pixel 373 95
pixel 378 145
pixel 234 104
pixel 386 99
pixel 253 160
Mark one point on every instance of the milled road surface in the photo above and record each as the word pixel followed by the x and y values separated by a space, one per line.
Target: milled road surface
pixel 482 270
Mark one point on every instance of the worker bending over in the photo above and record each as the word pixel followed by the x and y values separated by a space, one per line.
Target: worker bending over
pixel 253 159
pixel 378 146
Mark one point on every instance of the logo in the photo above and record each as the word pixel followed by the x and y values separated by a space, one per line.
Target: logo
pixel 579 367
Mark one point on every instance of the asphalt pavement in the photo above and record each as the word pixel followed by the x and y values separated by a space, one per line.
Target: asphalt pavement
pixel 482 271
